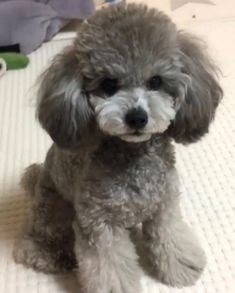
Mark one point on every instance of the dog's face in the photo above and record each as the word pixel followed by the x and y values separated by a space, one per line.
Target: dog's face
pixel 134 109
pixel 133 74
pixel 134 114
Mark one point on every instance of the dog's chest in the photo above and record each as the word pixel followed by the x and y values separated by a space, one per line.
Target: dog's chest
pixel 124 185
pixel 129 187
pixel 138 178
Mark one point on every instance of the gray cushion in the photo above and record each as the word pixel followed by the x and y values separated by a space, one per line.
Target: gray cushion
pixel 30 22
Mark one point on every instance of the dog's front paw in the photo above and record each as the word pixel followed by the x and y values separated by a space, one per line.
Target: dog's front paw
pixel 179 259
pixel 182 269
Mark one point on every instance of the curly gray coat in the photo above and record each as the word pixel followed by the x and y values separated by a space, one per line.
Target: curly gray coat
pixel 113 102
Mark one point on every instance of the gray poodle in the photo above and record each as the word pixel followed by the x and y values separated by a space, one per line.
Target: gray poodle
pixel 113 103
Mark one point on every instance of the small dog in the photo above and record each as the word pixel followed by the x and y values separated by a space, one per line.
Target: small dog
pixel 113 102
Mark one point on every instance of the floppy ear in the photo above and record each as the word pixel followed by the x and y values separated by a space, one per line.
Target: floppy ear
pixel 63 108
pixel 202 95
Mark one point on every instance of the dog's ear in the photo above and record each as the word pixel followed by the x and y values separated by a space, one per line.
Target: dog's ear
pixel 202 94
pixel 63 108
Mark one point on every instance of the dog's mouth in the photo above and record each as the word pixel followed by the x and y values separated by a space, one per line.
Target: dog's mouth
pixel 138 133
pixel 136 137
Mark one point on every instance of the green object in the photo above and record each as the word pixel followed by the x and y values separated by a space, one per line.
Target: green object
pixel 15 60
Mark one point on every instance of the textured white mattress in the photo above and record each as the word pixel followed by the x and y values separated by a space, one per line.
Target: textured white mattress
pixel 206 169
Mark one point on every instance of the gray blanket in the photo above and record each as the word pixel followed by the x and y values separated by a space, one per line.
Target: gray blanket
pixel 31 22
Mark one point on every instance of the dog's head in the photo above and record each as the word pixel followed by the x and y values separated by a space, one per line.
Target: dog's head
pixel 133 74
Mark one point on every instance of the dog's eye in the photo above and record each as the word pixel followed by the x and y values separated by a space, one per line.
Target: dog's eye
pixel 155 83
pixel 109 86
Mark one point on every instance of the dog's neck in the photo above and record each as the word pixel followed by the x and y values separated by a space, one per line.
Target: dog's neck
pixel 107 148
pixel 117 145
pixel 111 147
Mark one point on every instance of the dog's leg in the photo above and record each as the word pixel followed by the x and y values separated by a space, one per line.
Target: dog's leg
pixel 173 251
pixel 48 241
pixel 107 263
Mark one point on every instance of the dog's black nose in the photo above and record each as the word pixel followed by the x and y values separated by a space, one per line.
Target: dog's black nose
pixel 136 118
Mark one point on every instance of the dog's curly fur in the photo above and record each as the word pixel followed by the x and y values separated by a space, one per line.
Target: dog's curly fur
pixel 101 178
